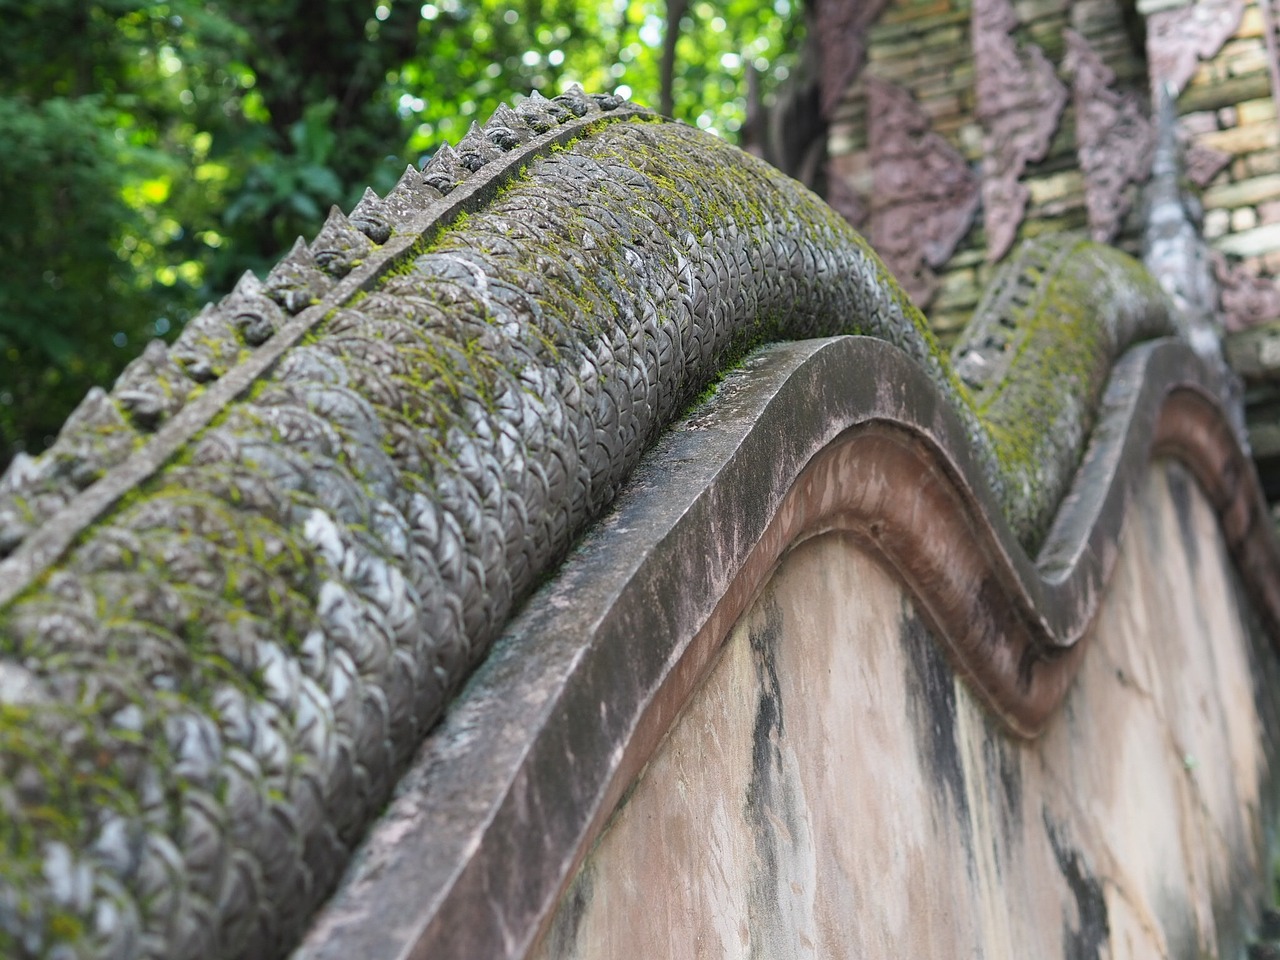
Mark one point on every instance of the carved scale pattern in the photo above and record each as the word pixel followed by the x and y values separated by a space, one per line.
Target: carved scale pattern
pixel 207 697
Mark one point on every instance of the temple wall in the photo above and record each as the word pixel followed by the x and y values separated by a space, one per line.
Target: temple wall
pixel 1038 116
pixel 834 790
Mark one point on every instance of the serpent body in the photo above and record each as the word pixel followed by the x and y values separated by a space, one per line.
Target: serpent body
pixel 207 695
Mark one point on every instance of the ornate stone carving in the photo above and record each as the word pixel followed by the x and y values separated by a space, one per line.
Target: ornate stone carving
pixel 1178 39
pixel 1247 300
pixel 1203 163
pixel 1114 139
pixel 1019 102
pixel 924 196
pixel 238 606
pixel 842 37
pixel 1269 34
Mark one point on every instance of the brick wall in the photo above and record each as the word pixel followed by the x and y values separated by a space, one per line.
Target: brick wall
pixel 1044 106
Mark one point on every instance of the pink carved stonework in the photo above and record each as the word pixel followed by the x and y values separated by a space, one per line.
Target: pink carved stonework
pixel 1272 39
pixel 842 27
pixel 1019 103
pixel 1114 139
pixel 1204 163
pixel 1247 300
pixel 844 199
pixel 1179 39
pixel 924 196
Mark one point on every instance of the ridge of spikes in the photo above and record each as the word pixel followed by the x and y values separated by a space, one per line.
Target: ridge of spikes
pixel 253 313
pixel 444 171
pixel 152 388
pixel 409 195
pixel 506 129
pixel 372 217
pixel 475 150
pixel 339 247
pixel 297 281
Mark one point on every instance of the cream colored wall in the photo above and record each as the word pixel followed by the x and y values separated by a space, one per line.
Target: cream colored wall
pixel 834 791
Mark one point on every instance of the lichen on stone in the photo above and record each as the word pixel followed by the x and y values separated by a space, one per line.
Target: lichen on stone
pixel 223 676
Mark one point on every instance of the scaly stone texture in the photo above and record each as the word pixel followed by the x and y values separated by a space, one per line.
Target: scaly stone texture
pixel 833 790
pixel 208 697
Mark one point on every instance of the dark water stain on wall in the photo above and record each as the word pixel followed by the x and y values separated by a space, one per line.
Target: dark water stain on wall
pixel 932 693
pixel 562 937
pixel 1093 928
pixel 1180 494
pixel 770 801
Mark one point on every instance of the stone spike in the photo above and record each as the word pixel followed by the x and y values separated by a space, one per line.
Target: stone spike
pixel 249 286
pixel 372 217
pixel 444 170
pixel 153 387
pixel 558 110
pixel 503 116
pixel 410 195
pixel 577 101
pixel 608 101
pixel 339 245
pixel 299 253
pixel 444 160
pixel 506 129
pixel 296 282
pixel 252 310
pixel 539 114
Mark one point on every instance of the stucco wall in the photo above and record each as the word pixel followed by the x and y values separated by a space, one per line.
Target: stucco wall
pixel 833 789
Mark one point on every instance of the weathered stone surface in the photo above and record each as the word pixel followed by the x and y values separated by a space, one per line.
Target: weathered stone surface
pixel 833 790
pixel 316 548
pixel 1019 101
pixel 923 196
pixel 693 543
pixel 1114 139
pixel 1178 39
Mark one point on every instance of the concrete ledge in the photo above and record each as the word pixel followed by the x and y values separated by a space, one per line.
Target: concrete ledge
pixel 847 435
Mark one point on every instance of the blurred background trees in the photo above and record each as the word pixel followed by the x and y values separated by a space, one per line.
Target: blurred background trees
pixel 151 152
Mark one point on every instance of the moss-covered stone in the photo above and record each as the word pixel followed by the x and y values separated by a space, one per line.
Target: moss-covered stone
pixel 229 668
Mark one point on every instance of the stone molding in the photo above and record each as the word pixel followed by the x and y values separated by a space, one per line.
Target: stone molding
pixel 843 453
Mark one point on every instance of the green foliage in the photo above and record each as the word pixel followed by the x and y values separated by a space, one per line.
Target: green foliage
pixel 156 150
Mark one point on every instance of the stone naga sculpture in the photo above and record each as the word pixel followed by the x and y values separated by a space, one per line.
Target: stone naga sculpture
pixel 242 585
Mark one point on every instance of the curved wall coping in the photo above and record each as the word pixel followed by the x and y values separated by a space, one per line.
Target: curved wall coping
pixel 845 434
